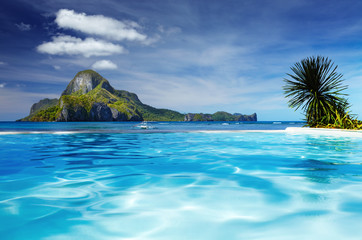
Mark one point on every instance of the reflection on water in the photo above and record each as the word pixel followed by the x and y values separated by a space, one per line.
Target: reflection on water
pixel 180 186
pixel 330 158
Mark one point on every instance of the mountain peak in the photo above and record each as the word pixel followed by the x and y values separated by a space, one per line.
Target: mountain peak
pixel 85 81
pixel 90 97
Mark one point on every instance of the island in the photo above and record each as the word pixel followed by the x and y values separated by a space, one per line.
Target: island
pixel 90 97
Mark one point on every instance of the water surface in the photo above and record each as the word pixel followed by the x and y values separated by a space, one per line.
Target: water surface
pixel 180 184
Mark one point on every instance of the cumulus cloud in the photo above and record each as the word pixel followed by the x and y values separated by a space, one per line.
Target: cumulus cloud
pixel 2 85
pixel 23 27
pixel 99 25
pixel 68 45
pixel 104 64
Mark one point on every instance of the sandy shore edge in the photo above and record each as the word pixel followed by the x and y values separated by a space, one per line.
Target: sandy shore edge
pixel 323 131
pixel 289 130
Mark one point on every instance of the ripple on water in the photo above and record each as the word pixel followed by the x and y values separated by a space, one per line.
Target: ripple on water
pixel 181 186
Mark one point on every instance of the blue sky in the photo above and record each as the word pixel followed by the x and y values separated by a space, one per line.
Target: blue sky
pixel 189 56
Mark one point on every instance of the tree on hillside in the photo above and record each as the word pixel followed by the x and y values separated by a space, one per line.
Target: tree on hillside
pixel 317 88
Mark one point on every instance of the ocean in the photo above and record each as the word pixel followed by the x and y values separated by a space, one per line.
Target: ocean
pixel 178 180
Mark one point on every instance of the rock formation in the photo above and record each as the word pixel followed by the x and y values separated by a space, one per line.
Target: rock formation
pixel 90 97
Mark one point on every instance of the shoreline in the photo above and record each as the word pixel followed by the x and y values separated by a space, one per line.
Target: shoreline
pixel 324 131
pixel 288 130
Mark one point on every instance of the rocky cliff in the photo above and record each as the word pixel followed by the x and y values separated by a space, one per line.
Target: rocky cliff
pixel 86 81
pixel 241 117
pixel 43 104
pixel 90 97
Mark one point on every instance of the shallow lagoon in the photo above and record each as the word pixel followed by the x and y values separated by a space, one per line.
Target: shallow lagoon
pixel 174 182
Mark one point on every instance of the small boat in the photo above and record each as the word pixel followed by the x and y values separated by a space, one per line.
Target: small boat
pixel 144 125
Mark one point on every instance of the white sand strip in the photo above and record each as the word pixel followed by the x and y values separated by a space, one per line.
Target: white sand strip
pixel 324 131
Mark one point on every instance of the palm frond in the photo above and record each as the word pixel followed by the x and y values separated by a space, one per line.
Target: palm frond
pixel 315 86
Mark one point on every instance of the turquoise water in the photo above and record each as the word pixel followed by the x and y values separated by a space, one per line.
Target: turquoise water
pixel 111 181
pixel 131 127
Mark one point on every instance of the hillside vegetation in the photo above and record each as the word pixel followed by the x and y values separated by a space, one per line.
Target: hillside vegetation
pixel 90 97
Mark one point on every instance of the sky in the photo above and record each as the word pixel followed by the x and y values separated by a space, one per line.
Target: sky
pixel 189 56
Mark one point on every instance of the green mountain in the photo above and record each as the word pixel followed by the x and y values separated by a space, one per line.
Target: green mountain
pixel 40 106
pixel 90 97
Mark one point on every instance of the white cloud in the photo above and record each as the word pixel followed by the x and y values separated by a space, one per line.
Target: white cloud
pixel 169 31
pixel 68 45
pixel 99 25
pixel 56 67
pixel 2 85
pixel 23 27
pixel 151 40
pixel 2 63
pixel 104 64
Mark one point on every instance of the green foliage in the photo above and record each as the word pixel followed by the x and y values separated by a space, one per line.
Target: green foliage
pixel 90 71
pixel 342 121
pixel 155 114
pixel 220 116
pixel 73 101
pixel 317 88
pixel 41 105
pixel 198 117
pixel 124 107
pixel 223 116
pixel 130 97
pixel 46 115
pixel 125 102
pixel 100 94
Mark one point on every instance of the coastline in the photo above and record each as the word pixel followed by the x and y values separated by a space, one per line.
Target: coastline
pixel 288 130
pixel 324 131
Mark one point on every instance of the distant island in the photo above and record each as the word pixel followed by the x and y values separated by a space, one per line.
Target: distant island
pixel 90 97
pixel 219 116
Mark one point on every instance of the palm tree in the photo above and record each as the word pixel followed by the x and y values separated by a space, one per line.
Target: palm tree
pixel 316 87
